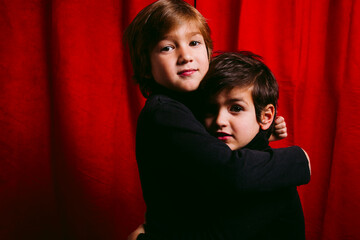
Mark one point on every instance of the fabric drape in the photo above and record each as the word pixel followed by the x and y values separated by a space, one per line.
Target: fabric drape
pixel 68 110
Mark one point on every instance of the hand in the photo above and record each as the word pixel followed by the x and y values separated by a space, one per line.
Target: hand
pixel 280 130
pixel 135 233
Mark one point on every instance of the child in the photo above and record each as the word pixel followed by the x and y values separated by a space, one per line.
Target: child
pixel 184 171
pixel 241 96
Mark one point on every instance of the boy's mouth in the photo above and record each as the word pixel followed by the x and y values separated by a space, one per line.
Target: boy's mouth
pixel 223 136
pixel 187 72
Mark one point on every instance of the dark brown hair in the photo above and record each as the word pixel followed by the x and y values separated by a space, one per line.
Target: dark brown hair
pixel 147 29
pixel 241 69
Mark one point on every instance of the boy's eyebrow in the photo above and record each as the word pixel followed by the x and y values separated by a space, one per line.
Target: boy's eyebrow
pixel 170 36
pixel 232 100
pixel 194 33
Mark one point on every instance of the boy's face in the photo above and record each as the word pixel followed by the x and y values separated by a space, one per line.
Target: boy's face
pixel 179 61
pixel 232 117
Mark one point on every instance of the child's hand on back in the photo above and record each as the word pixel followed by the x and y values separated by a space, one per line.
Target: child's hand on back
pixel 280 130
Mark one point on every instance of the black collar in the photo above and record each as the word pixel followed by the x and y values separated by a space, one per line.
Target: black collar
pixel 259 142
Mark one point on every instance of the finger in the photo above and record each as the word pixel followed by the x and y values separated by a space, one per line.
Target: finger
pixel 280 130
pixel 283 135
pixel 279 119
pixel 279 126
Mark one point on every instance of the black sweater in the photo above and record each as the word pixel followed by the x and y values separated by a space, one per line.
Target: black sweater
pixel 193 184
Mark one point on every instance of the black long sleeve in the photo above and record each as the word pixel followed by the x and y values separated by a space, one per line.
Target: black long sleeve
pixel 185 171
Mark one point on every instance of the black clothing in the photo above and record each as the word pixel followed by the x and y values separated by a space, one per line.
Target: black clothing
pixel 194 185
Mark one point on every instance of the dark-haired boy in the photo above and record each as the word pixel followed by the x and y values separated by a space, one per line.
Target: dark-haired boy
pixel 241 95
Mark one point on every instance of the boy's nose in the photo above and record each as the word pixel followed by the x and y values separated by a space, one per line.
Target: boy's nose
pixel 221 120
pixel 185 56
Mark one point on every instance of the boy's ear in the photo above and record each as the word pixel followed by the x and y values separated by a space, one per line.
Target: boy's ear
pixel 267 116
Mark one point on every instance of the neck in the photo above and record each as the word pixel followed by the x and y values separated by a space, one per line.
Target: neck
pixel 187 98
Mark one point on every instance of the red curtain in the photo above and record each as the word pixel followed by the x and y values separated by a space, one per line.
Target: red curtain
pixel 68 110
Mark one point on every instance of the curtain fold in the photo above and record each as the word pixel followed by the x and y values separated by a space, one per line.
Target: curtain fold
pixel 68 110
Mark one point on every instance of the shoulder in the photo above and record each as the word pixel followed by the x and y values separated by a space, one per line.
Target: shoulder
pixel 162 104
pixel 158 101
pixel 164 110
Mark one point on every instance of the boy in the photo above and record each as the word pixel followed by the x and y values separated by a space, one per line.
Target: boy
pixel 241 96
pixel 184 171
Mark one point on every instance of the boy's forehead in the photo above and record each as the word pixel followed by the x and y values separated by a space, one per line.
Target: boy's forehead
pixel 233 94
pixel 231 90
pixel 189 27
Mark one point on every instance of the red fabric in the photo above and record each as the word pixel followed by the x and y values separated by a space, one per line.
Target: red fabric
pixel 68 110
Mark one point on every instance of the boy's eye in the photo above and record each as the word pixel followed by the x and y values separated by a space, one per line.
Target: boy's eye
pixel 167 48
pixel 194 43
pixel 236 108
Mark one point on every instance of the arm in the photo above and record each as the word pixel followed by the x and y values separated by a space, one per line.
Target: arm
pixel 174 129
pixel 280 132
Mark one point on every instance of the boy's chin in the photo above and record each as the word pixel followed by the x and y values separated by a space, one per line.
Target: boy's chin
pixel 190 87
pixel 234 147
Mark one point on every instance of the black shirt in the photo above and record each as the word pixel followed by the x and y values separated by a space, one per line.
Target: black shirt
pixel 193 183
